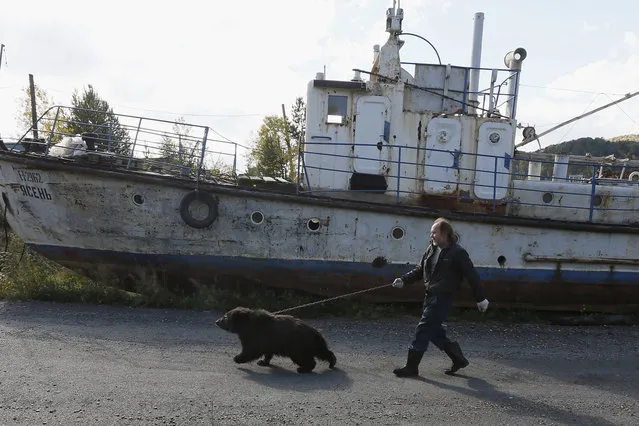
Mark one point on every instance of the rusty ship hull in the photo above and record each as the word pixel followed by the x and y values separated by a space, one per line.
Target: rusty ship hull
pixel 123 225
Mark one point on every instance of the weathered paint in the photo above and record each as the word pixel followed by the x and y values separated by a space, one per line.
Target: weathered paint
pixel 79 230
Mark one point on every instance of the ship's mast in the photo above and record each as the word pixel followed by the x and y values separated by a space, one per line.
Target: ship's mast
pixel 387 63
pixel 394 18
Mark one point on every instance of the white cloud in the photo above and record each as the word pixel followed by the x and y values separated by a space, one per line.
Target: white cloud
pixel 589 28
pixel 582 90
pixel 196 59
pixel 630 39
pixel 227 64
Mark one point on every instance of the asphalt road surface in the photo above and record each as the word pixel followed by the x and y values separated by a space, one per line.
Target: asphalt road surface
pixel 79 364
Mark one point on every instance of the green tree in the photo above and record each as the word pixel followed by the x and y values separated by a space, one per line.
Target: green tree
pixel 46 123
pixel 92 114
pixel 269 156
pixel 298 121
pixel 179 148
pixel 620 147
pixel 297 131
pixel 275 151
pixel 596 147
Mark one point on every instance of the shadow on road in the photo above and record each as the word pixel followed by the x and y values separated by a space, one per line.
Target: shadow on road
pixel 613 371
pixel 481 389
pixel 285 378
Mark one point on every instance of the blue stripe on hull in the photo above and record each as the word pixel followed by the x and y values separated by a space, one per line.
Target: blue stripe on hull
pixel 233 264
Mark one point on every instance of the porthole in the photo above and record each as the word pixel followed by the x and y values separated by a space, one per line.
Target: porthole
pixel 494 137
pixel 397 233
pixel 313 224
pixel 257 217
pixel 598 200
pixel 138 199
pixel 501 260
pixel 380 262
pixel 547 197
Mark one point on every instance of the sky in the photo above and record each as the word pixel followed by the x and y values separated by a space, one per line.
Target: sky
pixel 228 64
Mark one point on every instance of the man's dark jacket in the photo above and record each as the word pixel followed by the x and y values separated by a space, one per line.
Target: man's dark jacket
pixel 453 266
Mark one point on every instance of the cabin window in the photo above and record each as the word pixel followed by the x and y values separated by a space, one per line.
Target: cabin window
pixel 337 109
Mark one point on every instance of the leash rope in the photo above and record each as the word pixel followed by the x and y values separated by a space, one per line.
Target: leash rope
pixel 331 298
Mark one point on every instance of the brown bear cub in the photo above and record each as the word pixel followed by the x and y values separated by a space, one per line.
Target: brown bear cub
pixel 262 333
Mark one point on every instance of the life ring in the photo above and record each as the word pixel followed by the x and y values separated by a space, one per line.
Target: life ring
pixel 204 197
pixel 632 176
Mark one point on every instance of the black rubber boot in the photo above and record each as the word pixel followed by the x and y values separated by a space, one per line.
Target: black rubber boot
pixel 412 362
pixel 455 353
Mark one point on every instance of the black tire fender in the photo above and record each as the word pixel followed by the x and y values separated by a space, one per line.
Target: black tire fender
pixel 207 199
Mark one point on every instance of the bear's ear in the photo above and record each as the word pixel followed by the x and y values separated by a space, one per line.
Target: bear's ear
pixel 237 318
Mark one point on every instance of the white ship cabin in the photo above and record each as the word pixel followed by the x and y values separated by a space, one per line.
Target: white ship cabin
pixel 444 136
pixel 408 132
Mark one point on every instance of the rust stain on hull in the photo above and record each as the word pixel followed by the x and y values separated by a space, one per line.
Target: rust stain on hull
pixel 460 204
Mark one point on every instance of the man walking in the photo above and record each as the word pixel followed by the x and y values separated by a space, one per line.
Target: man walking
pixel 443 267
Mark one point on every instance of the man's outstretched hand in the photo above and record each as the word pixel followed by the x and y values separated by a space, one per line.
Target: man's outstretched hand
pixel 483 305
pixel 398 283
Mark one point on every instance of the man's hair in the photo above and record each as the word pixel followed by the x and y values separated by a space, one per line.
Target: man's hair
pixel 445 227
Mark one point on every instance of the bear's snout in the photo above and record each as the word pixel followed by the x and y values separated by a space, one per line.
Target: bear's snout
pixel 221 323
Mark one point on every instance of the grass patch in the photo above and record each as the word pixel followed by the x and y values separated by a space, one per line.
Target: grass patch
pixel 27 276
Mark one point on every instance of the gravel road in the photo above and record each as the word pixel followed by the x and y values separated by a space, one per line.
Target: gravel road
pixel 65 364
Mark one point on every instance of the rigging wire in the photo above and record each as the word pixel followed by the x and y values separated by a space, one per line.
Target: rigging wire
pixel 621 109
pixel 583 112
pixel 572 90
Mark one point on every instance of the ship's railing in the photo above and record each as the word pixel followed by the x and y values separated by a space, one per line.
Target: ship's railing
pixel 130 142
pixel 446 89
pixel 560 184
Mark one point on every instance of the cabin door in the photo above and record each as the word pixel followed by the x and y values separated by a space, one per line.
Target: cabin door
pixel 492 170
pixel 371 149
pixel 441 159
